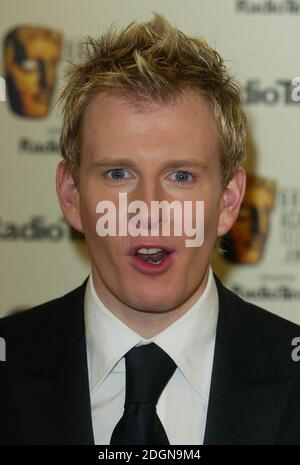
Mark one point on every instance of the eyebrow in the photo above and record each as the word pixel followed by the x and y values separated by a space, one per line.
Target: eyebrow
pixel 124 162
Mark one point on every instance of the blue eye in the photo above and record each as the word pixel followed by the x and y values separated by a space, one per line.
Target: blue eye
pixel 116 174
pixel 183 177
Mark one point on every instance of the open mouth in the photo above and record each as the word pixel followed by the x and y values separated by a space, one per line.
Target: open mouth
pixel 151 259
pixel 152 255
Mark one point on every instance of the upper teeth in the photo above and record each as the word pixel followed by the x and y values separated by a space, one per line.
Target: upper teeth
pixel 148 251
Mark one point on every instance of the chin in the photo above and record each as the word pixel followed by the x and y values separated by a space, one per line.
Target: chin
pixel 150 302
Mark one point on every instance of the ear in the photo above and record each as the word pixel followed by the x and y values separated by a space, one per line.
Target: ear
pixel 68 195
pixel 230 202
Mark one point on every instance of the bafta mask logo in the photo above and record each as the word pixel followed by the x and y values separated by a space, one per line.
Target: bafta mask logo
pixel 31 55
pixel 246 240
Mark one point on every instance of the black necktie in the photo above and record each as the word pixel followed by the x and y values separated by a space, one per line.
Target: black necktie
pixel 148 369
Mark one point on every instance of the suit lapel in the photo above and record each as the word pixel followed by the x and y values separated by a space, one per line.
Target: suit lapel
pixel 247 395
pixel 237 412
pixel 51 390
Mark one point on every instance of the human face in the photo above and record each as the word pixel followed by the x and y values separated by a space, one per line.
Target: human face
pixel 30 64
pixel 155 144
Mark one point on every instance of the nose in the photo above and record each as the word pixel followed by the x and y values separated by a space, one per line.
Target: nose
pixel 150 193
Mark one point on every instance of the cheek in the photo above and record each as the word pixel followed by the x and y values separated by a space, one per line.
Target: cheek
pixel 107 246
pixel 191 266
pixel 211 220
pixel 88 216
pixel 196 256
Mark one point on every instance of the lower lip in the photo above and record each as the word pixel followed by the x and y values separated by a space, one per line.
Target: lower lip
pixel 151 269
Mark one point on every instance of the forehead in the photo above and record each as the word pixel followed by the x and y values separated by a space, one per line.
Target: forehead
pixel 114 125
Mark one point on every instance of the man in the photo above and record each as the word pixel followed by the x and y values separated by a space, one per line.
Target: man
pixel 152 348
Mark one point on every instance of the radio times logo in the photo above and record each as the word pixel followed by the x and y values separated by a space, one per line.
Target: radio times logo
pixel 37 229
pixel 270 7
pixel 282 91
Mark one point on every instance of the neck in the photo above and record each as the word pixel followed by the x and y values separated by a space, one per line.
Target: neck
pixel 146 323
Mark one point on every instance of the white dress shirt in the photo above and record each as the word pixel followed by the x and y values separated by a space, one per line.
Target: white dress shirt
pixel 189 341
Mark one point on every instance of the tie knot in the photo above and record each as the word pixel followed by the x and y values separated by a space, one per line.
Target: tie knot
pixel 148 369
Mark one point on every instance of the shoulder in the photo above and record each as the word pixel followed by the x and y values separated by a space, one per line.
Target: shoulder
pixel 46 315
pixel 255 331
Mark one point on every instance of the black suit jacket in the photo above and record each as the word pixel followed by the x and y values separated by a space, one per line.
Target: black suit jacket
pixel 44 390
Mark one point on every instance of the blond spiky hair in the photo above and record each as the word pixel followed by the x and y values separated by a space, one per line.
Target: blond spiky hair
pixel 153 61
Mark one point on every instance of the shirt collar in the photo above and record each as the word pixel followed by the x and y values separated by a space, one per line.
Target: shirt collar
pixel 189 341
